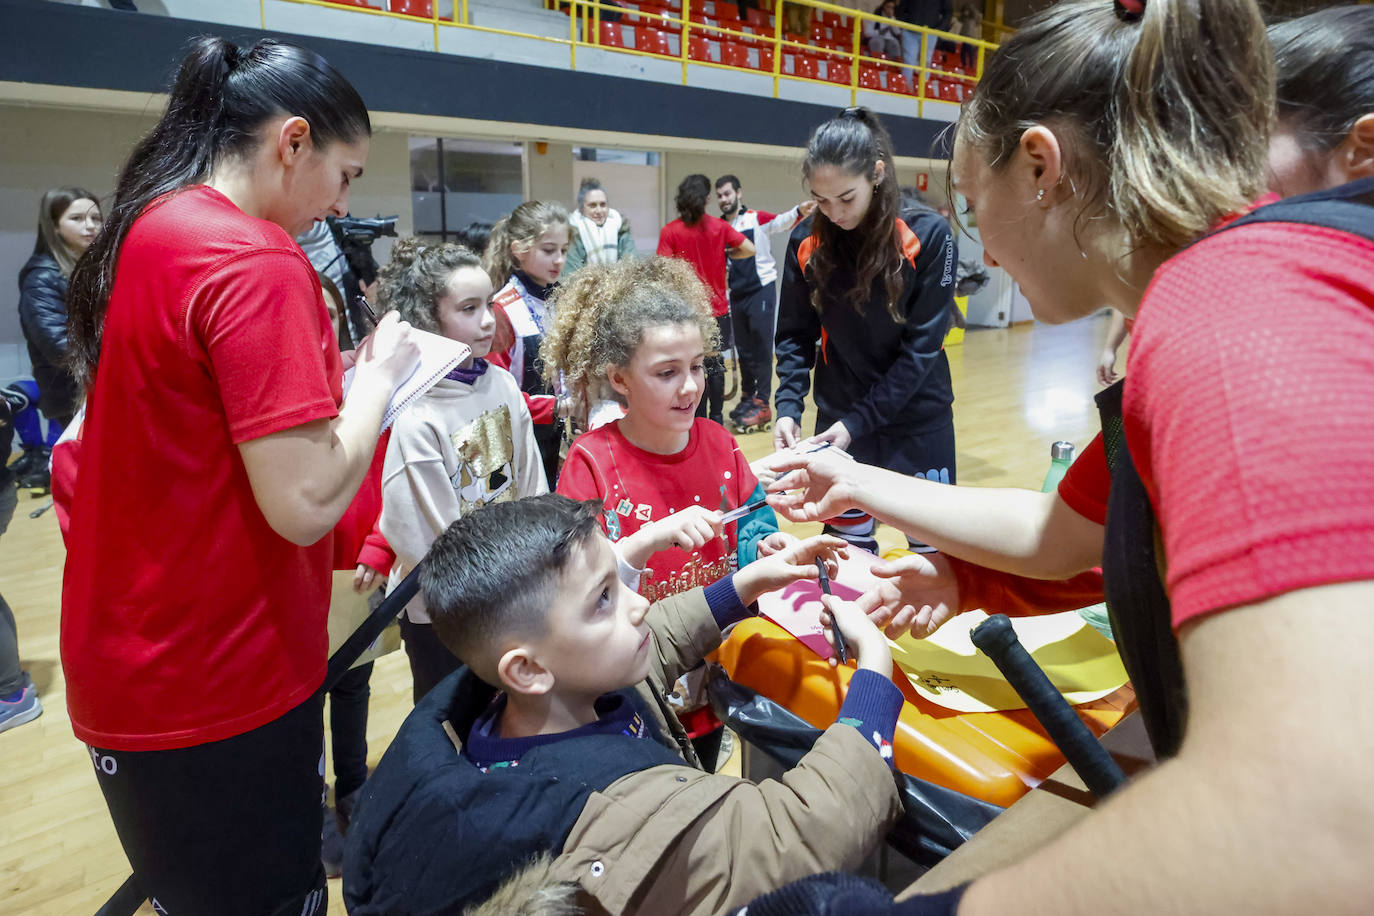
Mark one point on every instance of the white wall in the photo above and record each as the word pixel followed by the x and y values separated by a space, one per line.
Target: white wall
pixel 45 147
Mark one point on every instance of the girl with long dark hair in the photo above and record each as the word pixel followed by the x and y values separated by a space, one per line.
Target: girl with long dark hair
pixel 68 220
pixel 867 290
pixel 217 454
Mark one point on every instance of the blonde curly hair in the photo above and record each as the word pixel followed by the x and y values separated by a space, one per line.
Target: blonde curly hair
pixel 416 278
pixel 602 311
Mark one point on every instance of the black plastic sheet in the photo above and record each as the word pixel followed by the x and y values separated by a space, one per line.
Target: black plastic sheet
pixel 936 820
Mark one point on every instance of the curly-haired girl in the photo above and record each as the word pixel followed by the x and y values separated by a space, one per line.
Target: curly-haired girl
pixel 639 332
pixel 466 442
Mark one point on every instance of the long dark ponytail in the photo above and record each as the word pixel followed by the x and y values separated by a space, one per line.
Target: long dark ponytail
pixel 692 194
pixel 855 142
pixel 221 97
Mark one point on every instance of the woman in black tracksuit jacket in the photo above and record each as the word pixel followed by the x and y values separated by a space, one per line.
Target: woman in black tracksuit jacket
pixel 867 293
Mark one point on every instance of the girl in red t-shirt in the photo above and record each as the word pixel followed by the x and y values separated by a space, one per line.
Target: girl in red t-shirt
pixel 643 329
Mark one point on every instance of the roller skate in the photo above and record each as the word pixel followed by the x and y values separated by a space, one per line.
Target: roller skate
pixel 755 416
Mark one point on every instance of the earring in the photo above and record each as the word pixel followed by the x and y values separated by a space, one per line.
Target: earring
pixel 1040 194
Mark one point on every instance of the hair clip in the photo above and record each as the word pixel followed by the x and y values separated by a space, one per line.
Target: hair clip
pixel 856 113
pixel 1129 10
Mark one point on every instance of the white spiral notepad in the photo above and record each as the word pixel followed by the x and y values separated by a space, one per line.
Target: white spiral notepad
pixel 438 356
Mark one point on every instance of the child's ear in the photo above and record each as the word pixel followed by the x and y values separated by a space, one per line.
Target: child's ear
pixel 520 672
pixel 616 376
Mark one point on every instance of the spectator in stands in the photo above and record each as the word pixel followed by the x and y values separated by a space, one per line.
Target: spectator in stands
pixel 705 241
pixel 884 39
pixel 600 235
pixel 968 21
pixel 931 14
pixel 217 456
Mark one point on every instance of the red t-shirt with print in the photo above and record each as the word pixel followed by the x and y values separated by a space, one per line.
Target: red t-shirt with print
pixel 703 244
pixel 185 618
pixel 636 487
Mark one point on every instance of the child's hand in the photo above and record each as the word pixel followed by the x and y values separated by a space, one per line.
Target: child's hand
pixel 866 642
pixel 365 579
pixel 797 561
pixel 686 530
pixel 776 542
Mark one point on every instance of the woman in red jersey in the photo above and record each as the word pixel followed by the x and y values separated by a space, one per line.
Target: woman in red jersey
pixel 217 455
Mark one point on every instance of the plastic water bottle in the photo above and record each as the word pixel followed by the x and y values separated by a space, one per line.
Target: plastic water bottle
pixel 1061 456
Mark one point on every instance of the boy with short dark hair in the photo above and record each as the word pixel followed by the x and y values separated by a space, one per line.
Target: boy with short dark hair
pixel 576 755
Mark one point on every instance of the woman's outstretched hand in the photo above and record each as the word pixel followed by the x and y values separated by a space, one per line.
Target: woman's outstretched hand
pixel 814 486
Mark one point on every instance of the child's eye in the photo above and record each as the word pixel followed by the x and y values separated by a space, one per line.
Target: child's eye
pixel 698 367
pixel 667 373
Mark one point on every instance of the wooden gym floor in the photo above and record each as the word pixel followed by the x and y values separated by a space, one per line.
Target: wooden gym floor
pixel 1017 390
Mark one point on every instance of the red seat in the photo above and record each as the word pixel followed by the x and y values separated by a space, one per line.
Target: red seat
pixel 698 47
pixel 421 8
pixel 870 78
pixel 360 3
pixel 837 73
pixel 933 89
pixel 726 10
pixel 652 41
pixel 803 65
pixel 733 54
pixel 766 60
pixel 897 83
pixel 758 18
pixel 610 35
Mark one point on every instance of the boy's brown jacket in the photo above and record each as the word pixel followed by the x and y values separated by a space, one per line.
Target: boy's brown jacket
pixel 674 840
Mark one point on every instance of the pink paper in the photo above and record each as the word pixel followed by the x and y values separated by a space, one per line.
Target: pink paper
pixel 797 608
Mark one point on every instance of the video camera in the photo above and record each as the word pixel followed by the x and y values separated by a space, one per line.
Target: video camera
pixel 358 230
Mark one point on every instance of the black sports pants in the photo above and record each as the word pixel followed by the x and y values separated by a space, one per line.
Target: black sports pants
pixel 755 318
pixel 230 827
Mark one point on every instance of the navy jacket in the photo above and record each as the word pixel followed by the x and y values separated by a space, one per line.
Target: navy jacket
pixel 43 318
pixel 433 834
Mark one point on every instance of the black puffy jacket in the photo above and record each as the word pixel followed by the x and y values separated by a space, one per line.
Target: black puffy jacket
pixel 43 317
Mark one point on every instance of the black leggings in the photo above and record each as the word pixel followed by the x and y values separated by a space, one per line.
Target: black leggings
pixel 348 729
pixel 755 317
pixel 229 827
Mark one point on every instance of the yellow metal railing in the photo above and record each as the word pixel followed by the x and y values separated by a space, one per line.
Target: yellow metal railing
pixel 697 32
